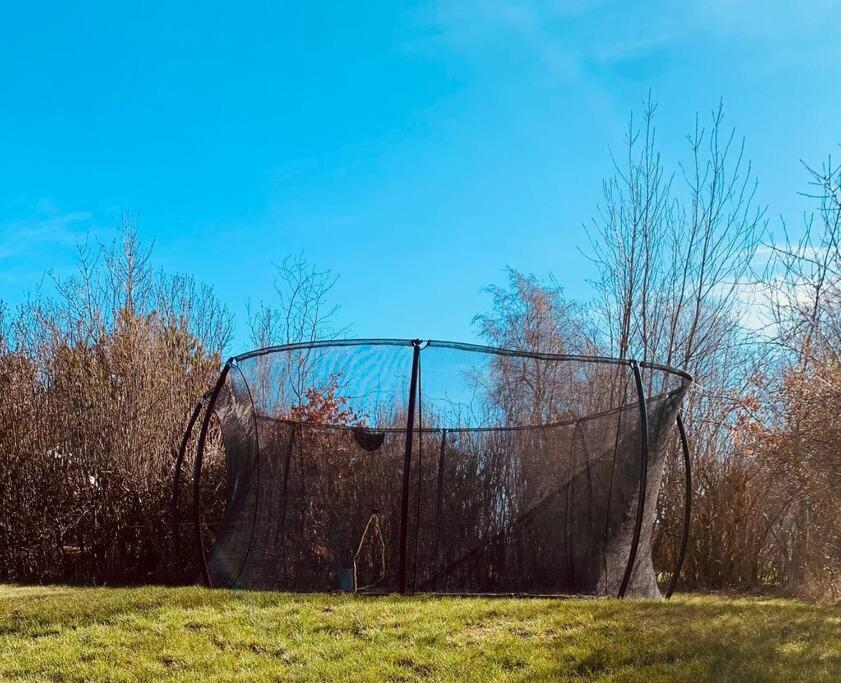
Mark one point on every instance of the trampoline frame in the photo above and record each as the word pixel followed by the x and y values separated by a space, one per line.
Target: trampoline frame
pixel 208 400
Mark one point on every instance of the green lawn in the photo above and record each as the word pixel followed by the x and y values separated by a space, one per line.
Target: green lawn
pixel 60 633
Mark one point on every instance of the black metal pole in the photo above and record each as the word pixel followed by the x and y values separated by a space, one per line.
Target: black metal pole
pixel 436 553
pixel 419 468
pixel 643 479
pixel 407 469
pixel 176 477
pixel 197 472
pixel 687 508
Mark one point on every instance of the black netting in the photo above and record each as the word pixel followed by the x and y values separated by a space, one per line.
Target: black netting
pixel 524 471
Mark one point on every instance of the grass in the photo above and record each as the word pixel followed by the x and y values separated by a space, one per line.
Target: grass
pixel 133 634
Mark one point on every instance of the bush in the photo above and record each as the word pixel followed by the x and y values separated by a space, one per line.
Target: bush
pixel 95 387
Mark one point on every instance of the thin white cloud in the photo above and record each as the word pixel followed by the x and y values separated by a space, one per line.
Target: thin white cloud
pixel 808 251
pixel 567 36
pixel 27 236
pixel 777 21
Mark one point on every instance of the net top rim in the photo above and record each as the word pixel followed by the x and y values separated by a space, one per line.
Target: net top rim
pixel 461 346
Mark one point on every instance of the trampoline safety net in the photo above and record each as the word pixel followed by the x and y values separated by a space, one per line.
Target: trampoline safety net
pixel 407 466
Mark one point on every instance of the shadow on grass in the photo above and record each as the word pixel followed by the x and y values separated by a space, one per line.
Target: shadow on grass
pixel 715 638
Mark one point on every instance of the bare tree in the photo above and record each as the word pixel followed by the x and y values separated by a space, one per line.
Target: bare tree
pixel 674 259
pixel 531 315
pixel 303 312
pixel 805 277
pixel 626 239
pixel 671 261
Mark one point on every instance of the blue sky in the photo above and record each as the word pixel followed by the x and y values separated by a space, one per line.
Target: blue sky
pixel 415 149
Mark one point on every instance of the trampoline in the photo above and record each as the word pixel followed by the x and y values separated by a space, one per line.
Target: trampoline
pixel 407 466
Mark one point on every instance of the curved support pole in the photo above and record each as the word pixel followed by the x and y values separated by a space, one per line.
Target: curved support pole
pixel 687 509
pixel 257 490
pixel 643 480
pixel 176 476
pixel 197 472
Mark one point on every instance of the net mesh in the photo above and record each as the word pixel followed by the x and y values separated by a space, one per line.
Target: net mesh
pixel 523 470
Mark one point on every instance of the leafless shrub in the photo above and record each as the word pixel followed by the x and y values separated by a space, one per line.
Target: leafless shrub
pixel 802 438
pixel 96 384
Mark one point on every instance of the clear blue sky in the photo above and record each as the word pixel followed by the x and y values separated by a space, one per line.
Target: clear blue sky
pixel 416 149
